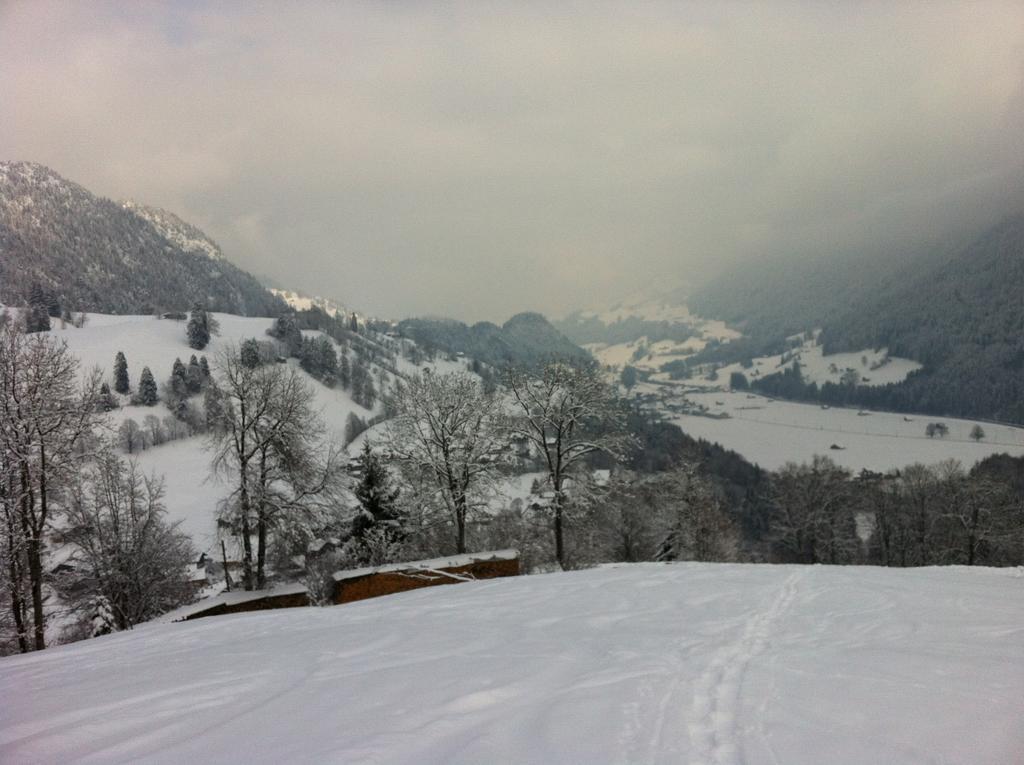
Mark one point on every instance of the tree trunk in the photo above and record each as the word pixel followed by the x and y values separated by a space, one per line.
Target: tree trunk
pixel 32 555
pixel 261 525
pixel 972 541
pixel 17 607
pixel 460 523
pixel 559 541
pixel 246 542
pixel 261 550
pixel 15 574
pixel 35 557
pixel 35 573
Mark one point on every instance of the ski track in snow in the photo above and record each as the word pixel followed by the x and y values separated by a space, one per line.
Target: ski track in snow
pixel 713 718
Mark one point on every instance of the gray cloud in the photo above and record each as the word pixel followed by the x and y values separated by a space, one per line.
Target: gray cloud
pixel 478 160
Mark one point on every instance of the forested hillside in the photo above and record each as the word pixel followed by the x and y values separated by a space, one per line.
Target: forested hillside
pixel 93 254
pixel 961 315
pixel 526 338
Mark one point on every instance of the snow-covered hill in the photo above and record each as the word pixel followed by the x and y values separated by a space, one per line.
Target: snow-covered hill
pixel 649 663
pixel 192 493
pixel 186 236
pixel 868 367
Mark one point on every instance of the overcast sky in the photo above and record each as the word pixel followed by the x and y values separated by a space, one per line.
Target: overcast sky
pixel 480 159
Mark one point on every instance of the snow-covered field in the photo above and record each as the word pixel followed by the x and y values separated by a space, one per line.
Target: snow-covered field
pixel 771 432
pixel 649 663
pixel 818 368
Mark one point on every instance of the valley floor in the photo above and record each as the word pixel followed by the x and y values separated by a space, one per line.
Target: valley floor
pixel 772 432
pixel 700 663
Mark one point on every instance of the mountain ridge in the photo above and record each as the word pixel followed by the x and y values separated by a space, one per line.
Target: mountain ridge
pixel 94 254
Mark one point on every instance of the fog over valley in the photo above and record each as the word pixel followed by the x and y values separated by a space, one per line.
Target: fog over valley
pixel 479 162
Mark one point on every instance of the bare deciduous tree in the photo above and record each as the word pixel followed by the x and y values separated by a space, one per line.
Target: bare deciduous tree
pixel 270 440
pixel 127 555
pixel 814 521
pixel 446 434
pixel 566 412
pixel 45 416
pixel 697 526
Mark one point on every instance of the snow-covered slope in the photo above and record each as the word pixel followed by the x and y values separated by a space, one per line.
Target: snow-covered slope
pixel 192 493
pixel 186 236
pixel 664 300
pixel 649 663
pixel 301 302
pixel 155 343
pixel 868 367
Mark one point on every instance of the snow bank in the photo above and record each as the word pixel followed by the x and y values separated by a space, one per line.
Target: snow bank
pixel 640 663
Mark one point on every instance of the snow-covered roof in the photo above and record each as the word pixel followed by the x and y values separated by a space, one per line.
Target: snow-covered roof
pixel 453 561
pixel 229 599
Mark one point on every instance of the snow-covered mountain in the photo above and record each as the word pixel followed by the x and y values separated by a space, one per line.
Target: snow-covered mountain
pixel 663 299
pixel 302 302
pixel 93 254
pixel 186 236
pixel 650 327
pixel 643 663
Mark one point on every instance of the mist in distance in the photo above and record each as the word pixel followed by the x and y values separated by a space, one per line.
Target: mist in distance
pixel 474 162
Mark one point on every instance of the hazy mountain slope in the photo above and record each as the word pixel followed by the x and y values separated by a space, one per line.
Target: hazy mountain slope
pixel 644 663
pixel 963 319
pixel 656 312
pixel 99 255
pixel 960 314
pixel 775 297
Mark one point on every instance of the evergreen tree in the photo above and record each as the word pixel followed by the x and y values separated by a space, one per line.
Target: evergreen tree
pixel 328 358
pixel 38 316
pixel 377 499
pixel 738 381
pixel 194 376
pixel 344 372
pixel 213 407
pixel 148 395
pixel 177 384
pixel 358 380
pixel 200 327
pixel 249 353
pixel 53 308
pixel 204 367
pixel 309 356
pixel 121 373
pixel 286 329
pixel 354 425
pixel 106 402
pixel 369 393
pixel 628 377
pixel 353 323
